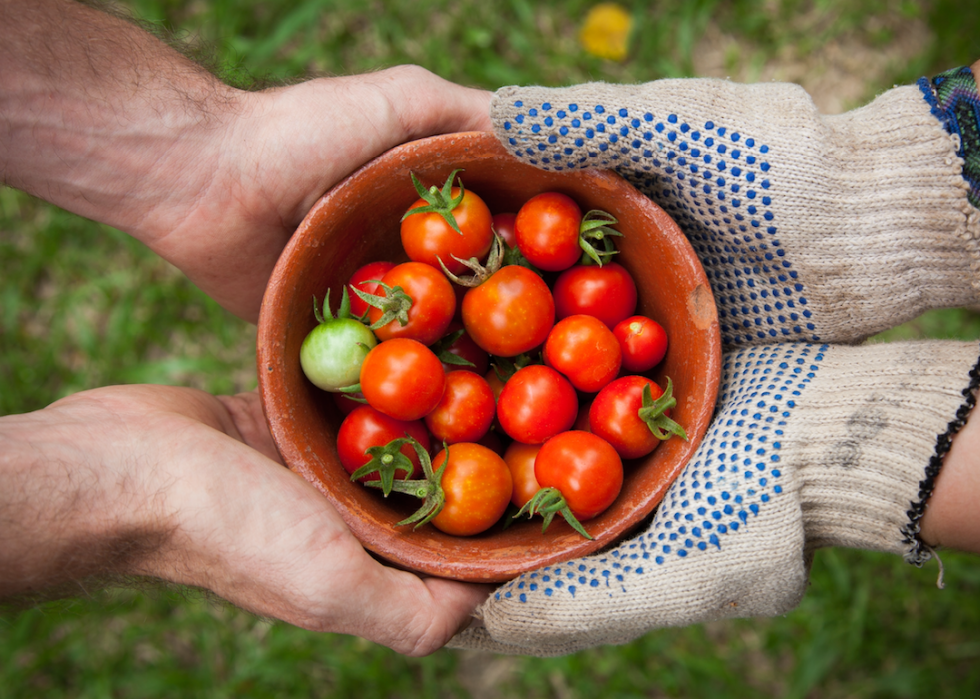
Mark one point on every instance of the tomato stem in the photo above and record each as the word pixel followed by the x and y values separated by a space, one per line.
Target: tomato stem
pixel 428 489
pixel 394 304
pixel 595 229
pixel 438 201
pixel 548 502
pixel 653 411
pixel 386 460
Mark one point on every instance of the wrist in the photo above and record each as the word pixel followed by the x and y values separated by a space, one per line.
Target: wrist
pixel 105 120
pixel 69 511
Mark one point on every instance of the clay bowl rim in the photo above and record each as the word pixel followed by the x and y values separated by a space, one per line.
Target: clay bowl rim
pixel 292 404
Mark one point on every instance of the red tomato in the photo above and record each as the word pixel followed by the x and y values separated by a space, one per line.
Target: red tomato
pixel 607 292
pixel 520 461
pixel 402 378
pixel 614 416
pixel 365 427
pixel 466 410
pixel 643 342
pixel 465 348
pixel 503 224
pixel 428 237
pixel 433 303
pixel 510 313
pixel 366 279
pixel 547 229
pixel 535 404
pixel 495 382
pixel 584 468
pixel 478 486
pixel 585 351
pixel 346 403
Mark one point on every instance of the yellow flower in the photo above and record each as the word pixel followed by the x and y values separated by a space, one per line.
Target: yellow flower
pixel 606 31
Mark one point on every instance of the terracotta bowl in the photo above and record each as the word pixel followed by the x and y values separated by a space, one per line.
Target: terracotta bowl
pixel 357 222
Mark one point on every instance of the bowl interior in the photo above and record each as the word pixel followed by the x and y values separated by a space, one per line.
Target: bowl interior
pixel 358 222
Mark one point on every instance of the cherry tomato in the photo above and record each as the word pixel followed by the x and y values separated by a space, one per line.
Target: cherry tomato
pixel 510 313
pixel 465 348
pixel 535 404
pixel 365 427
pixel 366 279
pixel 584 468
pixel 428 237
pixel 332 353
pixel 520 461
pixel 584 350
pixel 402 378
pixel 614 416
pixel 607 292
pixel 503 224
pixel 478 486
pixel 433 303
pixel 643 342
pixel 547 230
pixel 495 382
pixel 466 410
pixel 346 403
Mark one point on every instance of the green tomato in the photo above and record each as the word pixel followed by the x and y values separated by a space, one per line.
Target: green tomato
pixel 333 351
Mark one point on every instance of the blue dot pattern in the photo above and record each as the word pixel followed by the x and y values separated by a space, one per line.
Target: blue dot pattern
pixel 714 181
pixel 732 479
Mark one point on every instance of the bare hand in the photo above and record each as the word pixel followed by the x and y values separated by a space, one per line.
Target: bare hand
pixel 178 484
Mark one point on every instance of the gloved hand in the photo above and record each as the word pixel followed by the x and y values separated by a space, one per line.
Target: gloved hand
pixel 811 229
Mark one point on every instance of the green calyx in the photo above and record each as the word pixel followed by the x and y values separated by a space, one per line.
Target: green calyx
pixel 439 201
pixel 653 411
pixel 343 313
pixel 428 489
pixel 441 350
pixel 394 304
pixel 595 237
pixel 386 460
pixel 548 502
pixel 505 367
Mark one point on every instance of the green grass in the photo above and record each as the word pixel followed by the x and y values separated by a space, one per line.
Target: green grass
pixel 82 305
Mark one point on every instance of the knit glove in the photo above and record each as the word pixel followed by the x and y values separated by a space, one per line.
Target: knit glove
pixel 811 228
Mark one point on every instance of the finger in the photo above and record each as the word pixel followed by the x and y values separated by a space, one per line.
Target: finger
pixel 411 615
pixel 426 105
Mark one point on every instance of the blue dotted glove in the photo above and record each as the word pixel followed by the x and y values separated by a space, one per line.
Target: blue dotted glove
pixel 812 230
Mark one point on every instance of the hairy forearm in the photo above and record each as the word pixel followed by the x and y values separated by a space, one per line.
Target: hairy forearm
pixel 64 515
pixel 94 112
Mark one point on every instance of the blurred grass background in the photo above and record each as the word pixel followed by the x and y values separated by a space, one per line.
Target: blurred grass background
pixel 82 305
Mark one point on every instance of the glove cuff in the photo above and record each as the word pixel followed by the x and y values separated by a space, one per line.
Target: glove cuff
pixel 954 100
pixel 871 441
